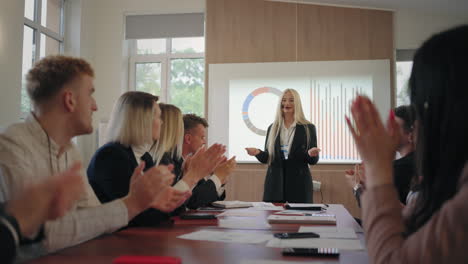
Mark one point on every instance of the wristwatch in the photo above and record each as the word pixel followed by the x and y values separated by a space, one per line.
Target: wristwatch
pixel 20 239
pixel 11 221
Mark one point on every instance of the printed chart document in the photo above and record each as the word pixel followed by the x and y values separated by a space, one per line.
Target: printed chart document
pixel 228 237
pixel 243 223
pixel 330 231
pixel 322 219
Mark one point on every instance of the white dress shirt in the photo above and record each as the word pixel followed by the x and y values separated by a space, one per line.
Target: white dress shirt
pixel 140 150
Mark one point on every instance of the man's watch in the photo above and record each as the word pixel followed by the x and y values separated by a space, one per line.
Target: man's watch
pixel 12 221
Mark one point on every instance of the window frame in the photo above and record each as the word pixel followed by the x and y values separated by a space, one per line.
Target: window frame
pixel 401 55
pixel 164 59
pixel 39 29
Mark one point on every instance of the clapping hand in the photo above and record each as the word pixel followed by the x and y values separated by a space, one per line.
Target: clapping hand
pixel 376 144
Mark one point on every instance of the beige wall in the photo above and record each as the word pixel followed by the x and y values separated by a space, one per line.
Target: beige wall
pixel 11 44
pixel 412 28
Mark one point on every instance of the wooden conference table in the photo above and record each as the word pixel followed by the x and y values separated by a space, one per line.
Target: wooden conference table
pixel 163 241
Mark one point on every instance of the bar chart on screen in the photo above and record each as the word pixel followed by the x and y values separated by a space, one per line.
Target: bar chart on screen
pixel 329 103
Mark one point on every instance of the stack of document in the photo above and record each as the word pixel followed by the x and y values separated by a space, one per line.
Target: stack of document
pixel 320 219
pixel 231 204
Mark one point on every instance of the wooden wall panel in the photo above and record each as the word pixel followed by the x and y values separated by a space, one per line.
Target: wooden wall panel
pixel 279 42
pixel 241 31
pixel 336 33
pixel 250 31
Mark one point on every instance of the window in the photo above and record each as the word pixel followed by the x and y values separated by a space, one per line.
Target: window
pixel 404 64
pixel 42 36
pixel 172 68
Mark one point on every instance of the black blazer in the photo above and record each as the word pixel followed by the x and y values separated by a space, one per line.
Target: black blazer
pixel 404 170
pixel 168 159
pixel 290 180
pixel 109 174
pixel 203 194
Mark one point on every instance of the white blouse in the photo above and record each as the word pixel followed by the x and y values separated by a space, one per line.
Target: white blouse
pixel 286 138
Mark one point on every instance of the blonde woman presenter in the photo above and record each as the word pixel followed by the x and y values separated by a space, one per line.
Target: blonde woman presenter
pixel 290 147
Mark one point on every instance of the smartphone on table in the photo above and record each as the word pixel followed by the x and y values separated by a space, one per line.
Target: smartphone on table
pixel 296 235
pixel 197 216
pixel 305 207
pixel 313 252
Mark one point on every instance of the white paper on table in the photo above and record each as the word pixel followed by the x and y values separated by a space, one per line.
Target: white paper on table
pixel 262 204
pixel 343 244
pixel 242 224
pixel 240 213
pixel 330 231
pixel 276 208
pixel 228 237
pixel 231 204
pixel 266 206
pixel 264 261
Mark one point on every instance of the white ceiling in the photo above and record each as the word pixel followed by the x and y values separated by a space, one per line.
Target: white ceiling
pixel 442 7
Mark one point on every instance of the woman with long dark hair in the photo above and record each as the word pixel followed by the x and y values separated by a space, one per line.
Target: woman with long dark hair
pixel 434 228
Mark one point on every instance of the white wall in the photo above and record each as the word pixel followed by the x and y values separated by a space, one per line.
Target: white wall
pixel 102 34
pixel 11 50
pixel 102 30
pixel 96 32
pixel 413 28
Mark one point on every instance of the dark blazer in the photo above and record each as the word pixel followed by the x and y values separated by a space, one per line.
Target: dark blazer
pixel 203 194
pixel 404 170
pixel 168 159
pixel 109 174
pixel 290 180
